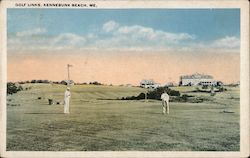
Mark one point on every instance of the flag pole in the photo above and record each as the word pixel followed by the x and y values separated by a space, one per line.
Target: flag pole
pixel 68 66
pixel 68 72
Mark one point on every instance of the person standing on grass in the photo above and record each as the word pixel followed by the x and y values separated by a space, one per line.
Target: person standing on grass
pixel 66 100
pixel 165 102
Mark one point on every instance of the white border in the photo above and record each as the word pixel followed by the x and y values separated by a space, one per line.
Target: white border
pixel 244 87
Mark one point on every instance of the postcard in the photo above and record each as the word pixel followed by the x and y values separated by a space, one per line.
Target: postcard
pixel 125 78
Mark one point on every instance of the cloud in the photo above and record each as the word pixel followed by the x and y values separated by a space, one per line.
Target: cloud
pixel 112 35
pixel 151 34
pixel 36 31
pixel 38 39
pixel 110 26
pixel 68 39
pixel 227 42
pixel 137 35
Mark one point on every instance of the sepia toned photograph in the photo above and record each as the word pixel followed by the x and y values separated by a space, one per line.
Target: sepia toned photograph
pixel 123 79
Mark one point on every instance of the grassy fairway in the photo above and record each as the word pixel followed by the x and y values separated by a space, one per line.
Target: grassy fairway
pixel 96 124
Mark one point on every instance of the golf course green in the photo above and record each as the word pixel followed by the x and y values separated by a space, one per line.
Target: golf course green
pixel 99 121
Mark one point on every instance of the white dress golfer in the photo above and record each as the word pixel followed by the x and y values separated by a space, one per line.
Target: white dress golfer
pixel 165 102
pixel 66 101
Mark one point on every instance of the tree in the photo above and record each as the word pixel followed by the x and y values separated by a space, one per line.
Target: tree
pixel 12 88
pixel 95 83
pixel 155 94
pixel 33 81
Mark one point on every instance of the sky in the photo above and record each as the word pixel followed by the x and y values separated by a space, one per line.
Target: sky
pixel 120 46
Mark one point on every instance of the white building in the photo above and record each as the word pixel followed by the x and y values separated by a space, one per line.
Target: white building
pixel 197 79
pixel 67 82
pixel 149 84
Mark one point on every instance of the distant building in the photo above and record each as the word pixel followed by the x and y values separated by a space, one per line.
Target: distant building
pixel 198 79
pixel 66 82
pixel 238 83
pixel 170 84
pixel 149 84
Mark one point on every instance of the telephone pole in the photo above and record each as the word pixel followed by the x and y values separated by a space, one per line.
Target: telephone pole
pixel 68 66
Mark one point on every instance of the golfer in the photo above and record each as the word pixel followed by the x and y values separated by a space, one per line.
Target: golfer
pixel 165 102
pixel 66 100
